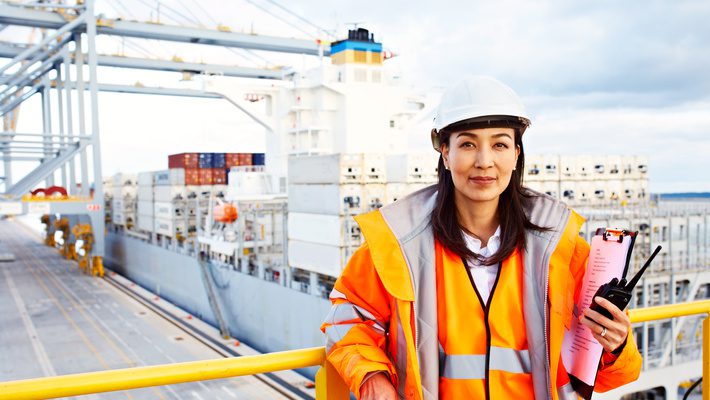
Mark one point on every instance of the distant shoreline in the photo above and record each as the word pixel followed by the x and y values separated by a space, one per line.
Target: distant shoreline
pixel 686 195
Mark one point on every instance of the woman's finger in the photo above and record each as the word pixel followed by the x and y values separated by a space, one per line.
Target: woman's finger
pixel 615 311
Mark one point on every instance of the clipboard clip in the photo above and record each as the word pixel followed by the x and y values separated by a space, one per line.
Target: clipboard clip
pixel 618 234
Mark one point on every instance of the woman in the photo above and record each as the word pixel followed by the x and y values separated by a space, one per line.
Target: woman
pixel 464 290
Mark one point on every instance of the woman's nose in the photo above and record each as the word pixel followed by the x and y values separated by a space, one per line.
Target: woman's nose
pixel 484 159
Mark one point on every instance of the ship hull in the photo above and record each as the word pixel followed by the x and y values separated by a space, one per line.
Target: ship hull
pixel 262 314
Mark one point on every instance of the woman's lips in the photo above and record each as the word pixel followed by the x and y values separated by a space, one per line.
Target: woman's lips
pixel 483 180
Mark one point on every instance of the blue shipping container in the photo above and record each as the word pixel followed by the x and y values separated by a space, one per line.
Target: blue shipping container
pixel 219 160
pixel 258 159
pixel 205 160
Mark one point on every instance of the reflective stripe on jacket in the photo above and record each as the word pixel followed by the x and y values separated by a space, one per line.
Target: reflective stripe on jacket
pixel 385 316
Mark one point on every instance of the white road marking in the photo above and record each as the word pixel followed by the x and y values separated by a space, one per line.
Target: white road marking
pixel 47 368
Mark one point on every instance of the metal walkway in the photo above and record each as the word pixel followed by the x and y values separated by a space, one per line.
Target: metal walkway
pixel 55 320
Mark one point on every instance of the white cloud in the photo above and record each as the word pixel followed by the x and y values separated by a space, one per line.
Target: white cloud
pixel 598 76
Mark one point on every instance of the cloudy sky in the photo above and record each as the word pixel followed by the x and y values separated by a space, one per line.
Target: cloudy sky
pixel 597 76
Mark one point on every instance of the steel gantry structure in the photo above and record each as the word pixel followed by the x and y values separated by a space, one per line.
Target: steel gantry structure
pixel 68 150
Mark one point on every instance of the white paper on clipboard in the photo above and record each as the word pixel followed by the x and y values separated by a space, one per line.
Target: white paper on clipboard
pixel 580 350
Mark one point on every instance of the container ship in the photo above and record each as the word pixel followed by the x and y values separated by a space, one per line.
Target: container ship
pixel 252 242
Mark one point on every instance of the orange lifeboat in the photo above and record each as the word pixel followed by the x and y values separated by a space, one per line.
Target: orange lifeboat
pixel 226 213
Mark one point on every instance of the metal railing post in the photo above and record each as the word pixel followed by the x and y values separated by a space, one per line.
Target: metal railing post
pixel 329 384
pixel 706 358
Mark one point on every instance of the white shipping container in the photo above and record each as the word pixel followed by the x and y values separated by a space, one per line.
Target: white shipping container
pixel 164 210
pixel 551 188
pixel 568 167
pixel 117 204
pixel 145 223
pixel 145 208
pixel 118 218
pixel 333 230
pixel 395 191
pixel 550 167
pixel 325 169
pixel 326 199
pixel 536 185
pixel 121 179
pixel 320 258
pixel 168 193
pixel 169 227
pixel 169 177
pixel 585 168
pixel 145 178
pixel 615 189
pixel 373 195
pixel 534 169
pixel 373 168
pixel 409 168
pixel 145 193
pixel 613 167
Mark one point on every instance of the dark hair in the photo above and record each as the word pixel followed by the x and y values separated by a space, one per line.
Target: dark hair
pixel 511 205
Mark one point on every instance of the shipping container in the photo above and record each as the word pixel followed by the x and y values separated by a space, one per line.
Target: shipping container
pixel 192 176
pixel 373 168
pixel 231 160
pixel 373 196
pixel 258 159
pixel 145 208
pixel 219 176
pixel 145 193
pixel 145 223
pixel 326 199
pixel 321 258
pixel 406 168
pixel 206 177
pixel 219 160
pixel 325 169
pixel 333 230
pixel 119 218
pixel 145 179
pixel 169 227
pixel 165 210
pixel 205 160
pixel 183 160
pixel 168 193
pixel 168 177
pixel 244 159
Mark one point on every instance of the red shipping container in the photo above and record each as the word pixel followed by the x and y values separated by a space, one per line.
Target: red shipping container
pixel 183 160
pixel 206 177
pixel 192 176
pixel 219 176
pixel 232 160
pixel 244 159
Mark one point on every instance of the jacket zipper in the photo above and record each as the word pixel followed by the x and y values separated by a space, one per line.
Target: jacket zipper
pixel 486 308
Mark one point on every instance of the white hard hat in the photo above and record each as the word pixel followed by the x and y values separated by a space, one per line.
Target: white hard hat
pixel 475 98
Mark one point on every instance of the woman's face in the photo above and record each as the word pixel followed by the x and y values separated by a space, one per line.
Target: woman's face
pixel 481 162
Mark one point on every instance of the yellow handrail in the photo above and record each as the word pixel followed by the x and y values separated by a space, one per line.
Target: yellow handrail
pixel 329 385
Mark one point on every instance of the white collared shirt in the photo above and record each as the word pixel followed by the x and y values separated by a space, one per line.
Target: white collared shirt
pixel 484 276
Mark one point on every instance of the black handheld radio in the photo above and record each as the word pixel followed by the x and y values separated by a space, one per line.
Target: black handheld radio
pixel 619 292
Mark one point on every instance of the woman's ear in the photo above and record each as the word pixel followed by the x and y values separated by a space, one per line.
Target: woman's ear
pixel 445 154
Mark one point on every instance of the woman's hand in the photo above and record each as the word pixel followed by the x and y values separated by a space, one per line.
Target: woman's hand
pixel 378 387
pixel 616 329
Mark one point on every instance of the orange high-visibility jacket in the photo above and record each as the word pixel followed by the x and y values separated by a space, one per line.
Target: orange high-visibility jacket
pixel 385 305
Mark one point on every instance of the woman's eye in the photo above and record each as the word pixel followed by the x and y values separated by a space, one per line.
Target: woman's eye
pixel 501 145
pixel 466 144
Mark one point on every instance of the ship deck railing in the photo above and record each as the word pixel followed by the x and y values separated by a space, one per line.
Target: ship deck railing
pixel 328 385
